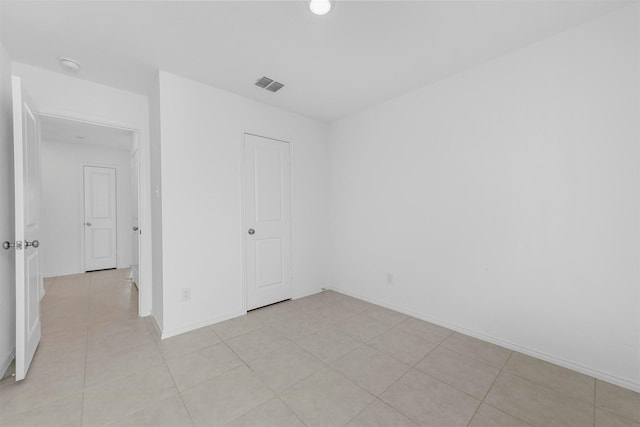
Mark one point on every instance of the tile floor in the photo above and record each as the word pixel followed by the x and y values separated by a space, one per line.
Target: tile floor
pixel 324 360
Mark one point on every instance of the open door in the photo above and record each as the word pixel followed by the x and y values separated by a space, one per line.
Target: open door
pixel 26 152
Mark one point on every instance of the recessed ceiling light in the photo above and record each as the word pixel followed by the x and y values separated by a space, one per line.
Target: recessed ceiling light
pixel 70 64
pixel 320 7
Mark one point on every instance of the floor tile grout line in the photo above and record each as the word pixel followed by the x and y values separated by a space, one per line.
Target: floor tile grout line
pixel 471 354
pixel 291 409
pixel 516 374
pixel 57 399
pixel 489 389
pixel 434 377
pixel 496 378
pixel 445 382
pixel 389 404
pixel 86 351
pixel 374 349
pixel 361 411
pixel 544 386
pixel 595 384
pixel 393 383
pixel 175 384
pixel 326 366
pixel 506 413
pixel 119 378
pixel 178 392
pixel 255 375
pixel 493 384
pixel 617 414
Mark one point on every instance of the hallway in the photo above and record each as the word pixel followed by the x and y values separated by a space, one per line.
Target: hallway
pixel 91 333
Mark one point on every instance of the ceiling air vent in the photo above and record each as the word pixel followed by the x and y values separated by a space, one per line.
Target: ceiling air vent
pixel 275 86
pixel 264 82
pixel 269 84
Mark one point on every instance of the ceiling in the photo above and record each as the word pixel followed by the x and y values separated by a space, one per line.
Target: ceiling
pixel 358 55
pixel 63 130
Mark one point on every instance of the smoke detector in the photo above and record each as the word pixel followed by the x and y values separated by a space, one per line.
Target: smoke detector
pixel 70 64
pixel 269 84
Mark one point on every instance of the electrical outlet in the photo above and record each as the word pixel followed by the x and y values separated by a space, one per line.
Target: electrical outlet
pixel 390 279
pixel 186 294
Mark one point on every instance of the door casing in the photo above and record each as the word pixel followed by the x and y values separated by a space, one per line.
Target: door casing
pixel 141 143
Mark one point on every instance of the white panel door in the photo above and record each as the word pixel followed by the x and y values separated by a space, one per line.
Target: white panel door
pixel 26 140
pixel 99 218
pixel 135 230
pixel 268 221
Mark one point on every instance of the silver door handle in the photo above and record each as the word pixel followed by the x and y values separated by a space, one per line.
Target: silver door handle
pixel 35 244
pixel 88 224
pixel 135 228
pixel 9 245
pixel 252 231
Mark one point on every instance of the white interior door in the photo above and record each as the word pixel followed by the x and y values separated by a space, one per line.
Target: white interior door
pixel 135 230
pixel 268 220
pixel 99 218
pixel 26 140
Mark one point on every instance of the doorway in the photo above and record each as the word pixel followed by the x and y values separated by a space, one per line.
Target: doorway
pixel 89 172
pixel 268 221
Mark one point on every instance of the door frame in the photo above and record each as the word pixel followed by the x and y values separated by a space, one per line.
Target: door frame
pixel 135 152
pixel 243 213
pixel 142 144
pixel 83 253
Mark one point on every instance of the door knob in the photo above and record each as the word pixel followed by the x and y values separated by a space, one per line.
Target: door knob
pixel 35 243
pixel 252 231
pixel 135 228
pixel 9 245
pixel 88 224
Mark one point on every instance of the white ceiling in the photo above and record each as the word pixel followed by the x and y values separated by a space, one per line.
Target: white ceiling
pixel 62 130
pixel 360 54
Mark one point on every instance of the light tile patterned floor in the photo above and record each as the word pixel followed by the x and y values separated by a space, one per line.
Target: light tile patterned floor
pixel 324 360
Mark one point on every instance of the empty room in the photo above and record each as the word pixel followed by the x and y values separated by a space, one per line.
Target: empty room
pixel 320 213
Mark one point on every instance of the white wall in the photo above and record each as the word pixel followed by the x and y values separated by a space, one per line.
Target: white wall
pixel 156 202
pixel 63 204
pixel 7 258
pixel 505 200
pixel 62 95
pixel 202 136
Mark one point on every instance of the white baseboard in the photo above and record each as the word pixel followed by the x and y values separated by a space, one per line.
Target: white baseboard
pixel 7 362
pixel 60 274
pixel 307 294
pixel 215 320
pixel 156 327
pixel 192 327
pixel 622 382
